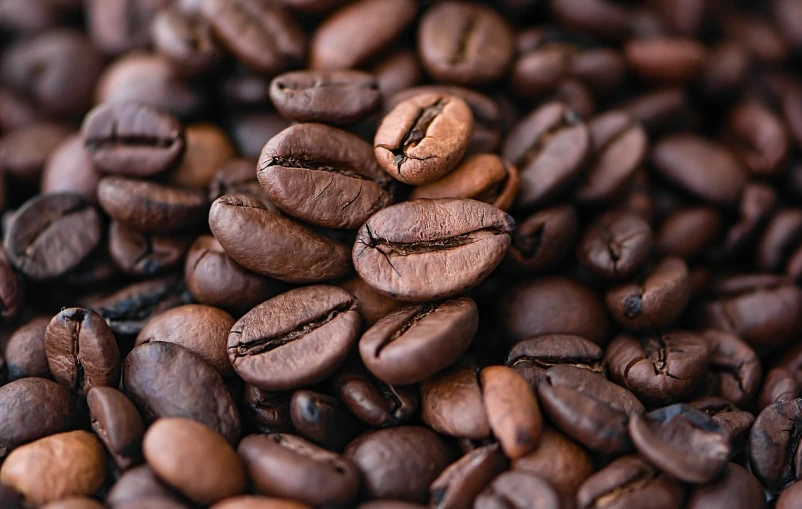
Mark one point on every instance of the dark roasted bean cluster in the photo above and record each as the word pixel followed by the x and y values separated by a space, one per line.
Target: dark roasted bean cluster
pixel 396 254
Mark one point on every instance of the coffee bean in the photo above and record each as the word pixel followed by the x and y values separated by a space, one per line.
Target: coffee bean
pixel 12 289
pixel 759 136
pixel 142 254
pixel 81 351
pixel 69 169
pixel 260 34
pixel 287 466
pixel 399 463
pixel 452 402
pixel 56 467
pixel 329 97
pixel 616 245
pixel 735 370
pixel 167 380
pixel 121 25
pixel 550 147
pixel 423 138
pixel 778 385
pixel 542 240
pixel 602 18
pixel 396 72
pixel 308 331
pixel 194 459
pixel 779 239
pixel 666 60
pixel 734 421
pixel 413 343
pixel 138 484
pixel 208 148
pixel 186 40
pixel 532 357
pixel 588 408
pixel 265 412
pixel 269 243
pixel 517 490
pixel 254 502
pixel 459 242
pixel 335 167
pixel 373 306
pixel 630 481
pixel 25 151
pixel 33 408
pixel 51 234
pixel 25 354
pixel 322 419
pixel 117 424
pixel 459 484
pixel 131 139
pixel 773 444
pixel 690 232
pixel 234 177
pixel 512 410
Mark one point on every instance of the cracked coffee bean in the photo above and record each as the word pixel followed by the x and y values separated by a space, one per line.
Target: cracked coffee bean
pixel 533 357
pixel 616 246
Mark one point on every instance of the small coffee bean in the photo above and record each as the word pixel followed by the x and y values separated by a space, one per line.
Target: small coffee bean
pixel 532 357
pixel 516 490
pixel 132 139
pixel 287 466
pixel 415 342
pixel 690 232
pixel 69 169
pixel 756 205
pixel 452 402
pixel 774 444
pixel 309 331
pixel 193 459
pixel 322 419
pixel 142 254
pixel 630 482
pixel 25 353
pixel 542 240
pixel 734 421
pixel 778 385
pixel 265 412
pixel 661 110
pixel 735 371
pixel 424 137
pixel 459 484
pixel 399 463
pixel 208 148
pixel 33 408
pixel 512 410
pixel 186 40
pixel 459 242
pixel 601 18
pixel 616 246
pixel 116 422
pixel 329 97
pixel 666 60
pixel 51 234
pixel 335 167
pixel 55 467
pixel 760 138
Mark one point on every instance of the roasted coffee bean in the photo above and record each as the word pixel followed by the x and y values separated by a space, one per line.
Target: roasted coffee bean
pixel 15 110
pixel 735 370
pixel 271 244
pixel 452 402
pixel 25 151
pixel 167 380
pixel 12 290
pixel 517 490
pixel 737 489
pixel 260 34
pixel 542 240
pixel 415 342
pixel 532 357
pixel 357 31
pixel 629 482
pixel 69 169
pixel 483 177
pixel 773 444
pixel 151 207
pixel 81 351
pixel 329 97
pixel 512 410
pixel 588 408
pixel 778 385
pixel 661 110
pixel 121 25
pixel 654 303
pixel 602 18
pixel 33 408
pixel 735 422
pixel 396 72
pixel 424 137
pixel 25 353
pixel 690 232
pixel 186 40
pixel 142 254
pixel 459 484
pixel 138 484
pixel 117 423
pixel 464 43
pixel 335 167
pixel 322 419
pixel 208 148
pixel 683 442
pixel 431 249
pixel 616 245
pixel 399 463
pixel 307 331
pixel 131 139
pixel 759 136
pixel 373 306
pixel 789 497
pixel 51 234
pixel 371 400
pixel 287 466
pixel 666 60
pixel 779 239
pixel 265 412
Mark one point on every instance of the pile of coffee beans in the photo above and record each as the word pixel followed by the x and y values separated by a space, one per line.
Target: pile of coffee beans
pixel 391 254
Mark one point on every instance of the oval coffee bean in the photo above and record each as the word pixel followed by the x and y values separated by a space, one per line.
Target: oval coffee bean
pixel 452 402
pixel 512 410
pixel 51 234
pixel 136 484
pixel 322 419
pixel 329 97
pixel 630 482
pixel 683 442
pixel 287 466
pixel 265 412
pixel 780 384
pixel 132 139
pixel 690 232
pixel 532 357
pixel 399 463
pixel 431 249
pixel 117 423
pixel 271 244
pixel 459 484
pixel 774 452
pixel 789 497
pixel 415 342
pixel 185 40
pixel 141 254
pixel 760 138
pixel 517 490
pixel 616 245
pixel 735 371
pixel 295 339
pixel 25 353
pixel 736 489
pixel 542 240
pixel 735 422
pixel 167 380
pixel 666 60
pixel 193 459
pixel 333 167
pixel 32 408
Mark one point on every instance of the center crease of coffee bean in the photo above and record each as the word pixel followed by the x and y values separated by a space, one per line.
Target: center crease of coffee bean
pixel 416 133
pixel 425 311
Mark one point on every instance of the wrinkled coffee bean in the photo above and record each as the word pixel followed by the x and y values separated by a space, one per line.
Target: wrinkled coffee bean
pixel 141 254
pixel 773 444
pixel 542 240
pixel 629 482
pixel 532 358
pixel 616 246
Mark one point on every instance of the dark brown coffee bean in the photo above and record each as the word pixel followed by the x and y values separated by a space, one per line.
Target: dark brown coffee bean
pixel 540 64
pixel 25 354
pixel 424 137
pixel 542 240
pixel 269 243
pixel 602 69
pixel 399 463
pixel 132 139
pixel 265 412
pixel 661 110
pixel 459 484
pixel 260 34
pixel 116 422
pixel 334 167
pixel 759 137
pixel 167 380
pixel 142 254
pixel 630 482
pixel 550 147
pixel 12 290
pixel 329 97
pixel 588 408
pixel 357 31
pixel 737 489
pixel 655 302
pixel 415 342
pixel 734 421
pixel 512 410
pixel 121 25
pixel 735 369
pixel 309 331
pixel 553 305
pixel 666 60
pixel 532 357
pixel 616 246
pixel 396 72
pixel 779 239
pixel 774 455
pixel 778 385
pixel 69 169
pixel 51 234
pixel 138 484
pixel 24 151
pixel 431 249
pixel 757 203
pixel 690 232
pixel 322 419
pixel 452 402
pixel 466 44
pixel 288 466
pixel 602 18
pixel 186 40
pixel 33 408
pixel 518 490
pixel 81 351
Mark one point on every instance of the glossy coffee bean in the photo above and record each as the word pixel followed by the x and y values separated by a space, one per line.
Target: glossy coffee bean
pixel 32 400
pixel 532 357
pixel 616 245
pixel 666 60
pixel 264 411
pixel 601 18
pixel 780 384
pixel 121 25
pixel 459 242
pixel 452 402
pixel 542 240
pixel 734 421
pixel 12 289
pixel 25 353
pixel 308 331
pixel 630 482
pixel 759 136
pixel 117 423
pixel 322 419
pixel 459 484
pixel 735 371
pixel 773 444
pixel 517 489
pixel 512 410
